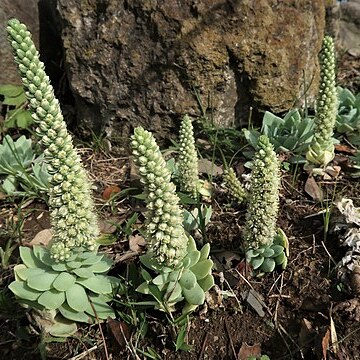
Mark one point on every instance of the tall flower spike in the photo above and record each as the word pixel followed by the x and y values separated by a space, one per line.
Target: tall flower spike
pixel 234 186
pixel 321 150
pixel 73 219
pixel 261 216
pixel 165 233
pixel 188 161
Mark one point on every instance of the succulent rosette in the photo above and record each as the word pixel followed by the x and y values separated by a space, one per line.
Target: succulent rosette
pixel 77 289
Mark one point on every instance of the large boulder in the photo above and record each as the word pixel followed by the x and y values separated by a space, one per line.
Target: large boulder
pixel 140 62
pixel 27 12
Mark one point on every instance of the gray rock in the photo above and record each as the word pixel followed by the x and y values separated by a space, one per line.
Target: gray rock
pixel 27 12
pixel 136 63
pixel 349 27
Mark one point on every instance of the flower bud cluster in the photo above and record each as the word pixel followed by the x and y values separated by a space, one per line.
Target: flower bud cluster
pixel 321 150
pixel 165 233
pixel 73 219
pixel 263 199
pixel 188 161
pixel 234 186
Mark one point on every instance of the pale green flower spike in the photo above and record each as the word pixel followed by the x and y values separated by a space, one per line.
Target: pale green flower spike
pixel 165 233
pixel 263 199
pixel 234 186
pixel 188 161
pixel 73 218
pixel 321 150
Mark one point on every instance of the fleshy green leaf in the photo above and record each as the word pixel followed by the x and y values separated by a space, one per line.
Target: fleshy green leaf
pixel 102 309
pixel 42 282
pixel 51 299
pixel 24 272
pixel 280 258
pixel 268 252
pixel 206 283
pixel 194 257
pixel 59 267
pixel 202 268
pixel 83 272
pixel 161 279
pixel 257 262
pixel 64 281
pixel 174 294
pixel 68 313
pixel 194 296
pixel 73 264
pixel 268 265
pixel 93 259
pixel 21 290
pixel 102 266
pixel 204 252
pixel 98 284
pixel 188 279
pixel 29 259
pixel 77 299
pixel 62 327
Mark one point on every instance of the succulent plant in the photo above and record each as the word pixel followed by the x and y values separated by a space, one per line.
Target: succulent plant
pixel 321 150
pixel 188 161
pixel 263 199
pixel 20 166
pixel 182 272
pixel 265 245
pixel 186 282
pixel 234 186
pixel 266 257
pixel 291 134
pixel 164 232
pixel 77 289
pixel 73 218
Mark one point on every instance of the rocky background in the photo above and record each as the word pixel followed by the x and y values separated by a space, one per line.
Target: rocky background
pixel 126 63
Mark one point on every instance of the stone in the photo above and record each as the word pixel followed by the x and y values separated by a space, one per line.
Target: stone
pixel 349 27
pixel 27 12
pixel 133 63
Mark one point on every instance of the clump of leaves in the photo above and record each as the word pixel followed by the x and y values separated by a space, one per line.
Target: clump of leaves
pixel 266 257
pixel 186 282
pixel 21 168
pixel 77 289
pixel 293 133
pixel 348 115
pixel 16 113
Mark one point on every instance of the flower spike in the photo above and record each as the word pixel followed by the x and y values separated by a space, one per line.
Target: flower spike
pixel 73 219
pixel 321 150
pixel 188 161
pixel 165 233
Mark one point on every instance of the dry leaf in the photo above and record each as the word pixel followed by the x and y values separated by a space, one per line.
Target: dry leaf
pixel 255 300
pixel 334 339
pixel 246 351
pixel 43 237
pixel 107 226
pixel 119 331
pixel 325 343
pixel 313 189
pixel 208 167
pixel 110 191
pixel 345 149
pixel 136 243
pixel 333 171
